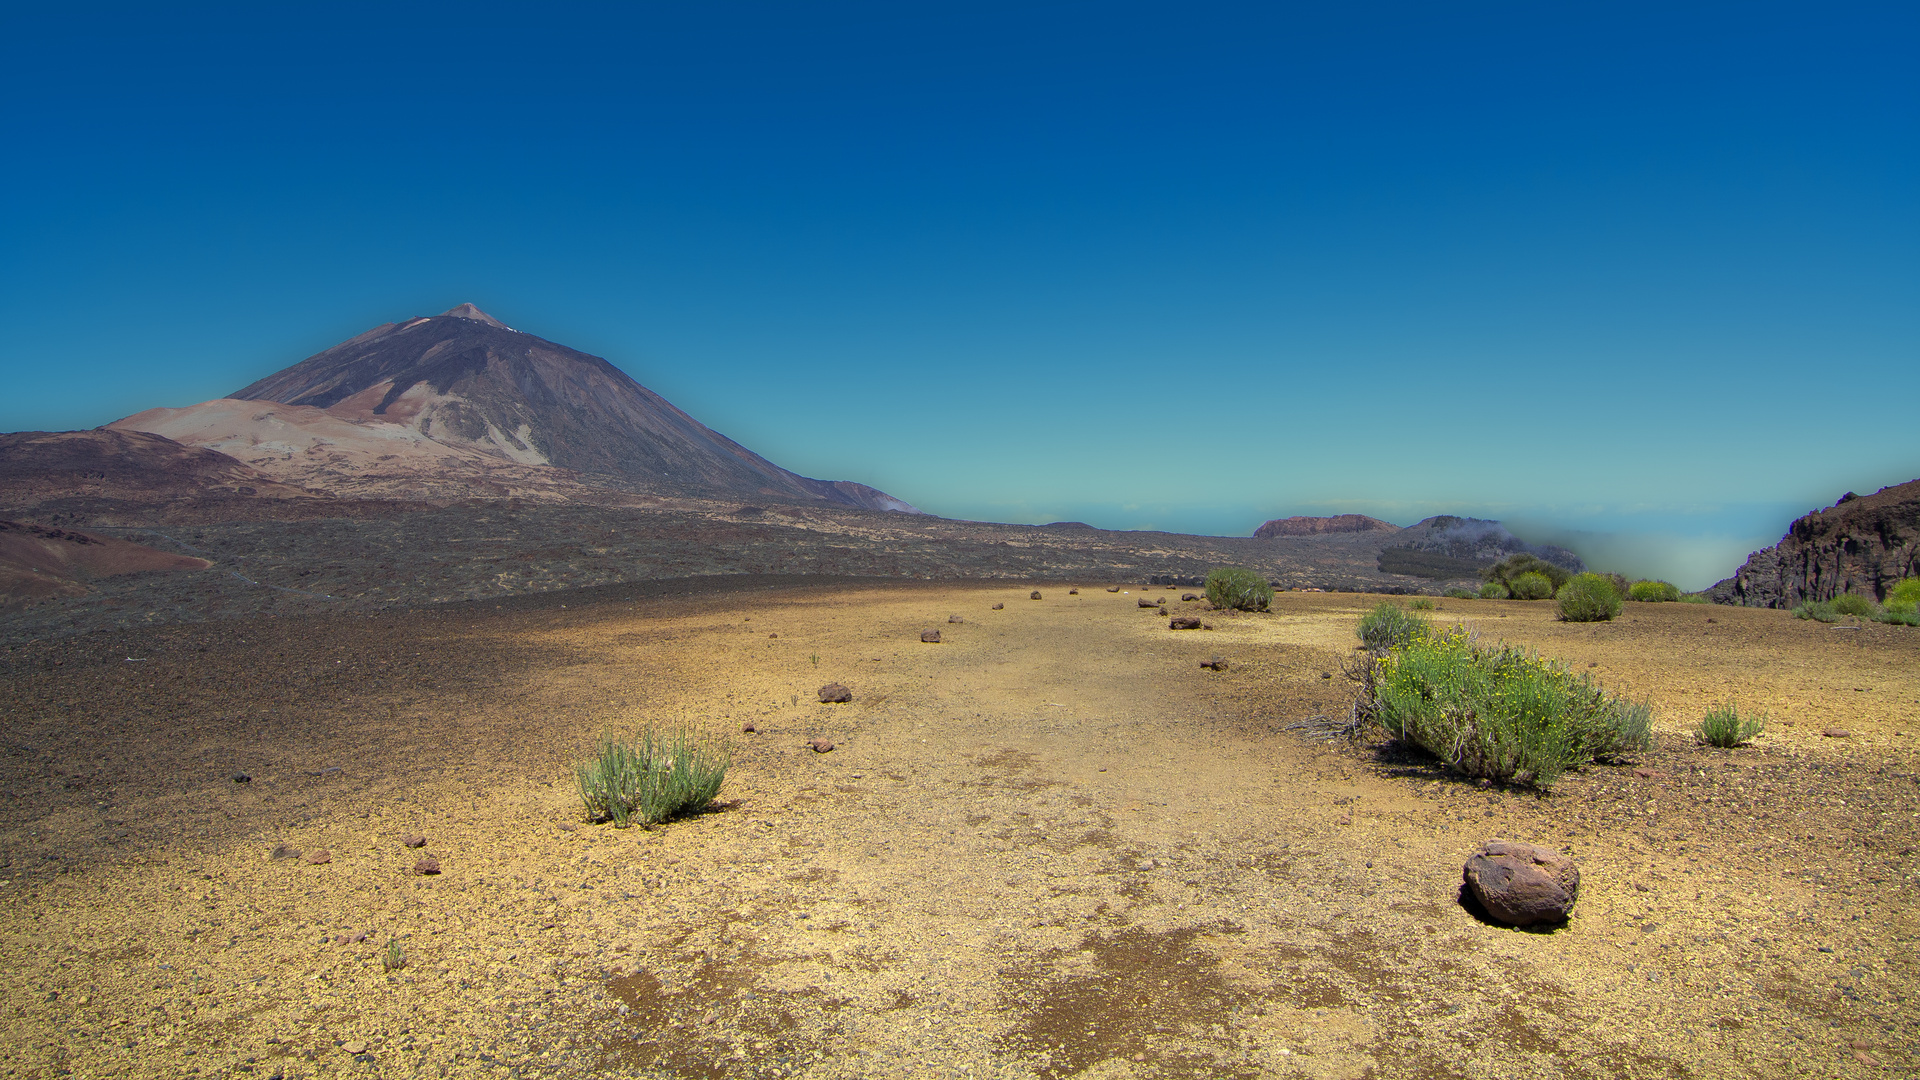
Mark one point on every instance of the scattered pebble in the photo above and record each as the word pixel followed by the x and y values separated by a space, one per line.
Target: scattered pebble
pixel 1648 774
pixel 1865 1058
pixel 413 840
pixel 567 826
pixel 320 858
pixel 1215 664
pixel 283 851
pixel 997 607
pixel 773 635
pixel 427 865
pixel 240 778
pixel 354 1046
pixel 835 692
pixel 1189 596
pixel 748 728
pixel 932 637
pixel 1144 602
pixel 1837 733
pixel 1113 588
pixel 821 746
pixel 955 619
pixel 1184 622
pixel 1035 595
pixel 1073 592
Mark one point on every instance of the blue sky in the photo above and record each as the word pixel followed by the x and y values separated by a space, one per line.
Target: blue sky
pixel 1645 274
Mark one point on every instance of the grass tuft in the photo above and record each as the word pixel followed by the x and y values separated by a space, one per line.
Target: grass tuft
pixel 1723 726
pixel 1238 588
pixel 1421 604
pixel 1818 610
pixel 1389 626
pixel 651 777
pixel 1502 713
pixel 395 956
pixel 1588 598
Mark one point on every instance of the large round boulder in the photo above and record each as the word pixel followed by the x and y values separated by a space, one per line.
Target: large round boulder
pixel 1522 884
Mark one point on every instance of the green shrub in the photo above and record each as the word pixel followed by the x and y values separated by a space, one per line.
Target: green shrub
pixel 1531 586
pixel 1237 588
pixel 1513 566
pixel 1421 604
pixel 1905 591
pixel 1723 726
pixel 651 777
pixel 1501 713
pixel 1900 607
pixel 1900 612
pixel 1457 593
pixel 1493 590
pixel 1653 592
pixel 1853 604
pixel 1816 609
pixel 1588 598
pixel 1389 626
pixel 1695 598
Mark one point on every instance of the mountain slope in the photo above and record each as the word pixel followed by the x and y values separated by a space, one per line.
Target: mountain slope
pixel 465 389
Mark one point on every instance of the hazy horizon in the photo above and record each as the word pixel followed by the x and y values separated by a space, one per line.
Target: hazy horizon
pixel 1643 277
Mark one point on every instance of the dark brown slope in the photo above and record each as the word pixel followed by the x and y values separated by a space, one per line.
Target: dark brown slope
pixel 466 376
pixel 43 468
pixel 1859 544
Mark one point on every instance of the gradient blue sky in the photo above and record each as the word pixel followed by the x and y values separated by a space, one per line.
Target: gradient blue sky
pixel 1649 274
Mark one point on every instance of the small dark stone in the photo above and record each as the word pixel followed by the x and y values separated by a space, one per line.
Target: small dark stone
pixel 1144 602
pixel 1184 622
pixel 821 746
pixel 284 851
pixel 997 607
pixel 1035 595
pixel 1113 588
pixel 835 692
pixel 1189 596
pixel 773 635
pixel 748 727
pixel 931 637
pixel 1215 664
pixel 1073 592
pixel 415 840
pixel 319 858
pixel 240 778
pixel 955 619
pixel 427 865
pixel 1837 733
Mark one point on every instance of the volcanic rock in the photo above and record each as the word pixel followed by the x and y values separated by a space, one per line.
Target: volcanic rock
pixel 426 865
pixel 1035 595
pixel 413 840
pixel 1189 596
pixel 1184 622
pixel 1860 544
pixel 835 692
pixel 955 619
pixel 1522 884
pixel 930 636
pixel 1144 602
pixel 319 858
pixel 1215 664
pixel 463 399
pixel 1113 588
pixel 821 746
pixel 998 607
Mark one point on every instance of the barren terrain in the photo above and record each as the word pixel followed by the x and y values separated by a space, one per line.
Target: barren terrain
pixel 1052 845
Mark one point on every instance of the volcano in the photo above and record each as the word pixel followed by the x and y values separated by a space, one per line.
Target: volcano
pixel 463 401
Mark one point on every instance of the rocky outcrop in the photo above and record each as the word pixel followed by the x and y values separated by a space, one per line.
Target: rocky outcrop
pixel 1860 544
pixel 1320 526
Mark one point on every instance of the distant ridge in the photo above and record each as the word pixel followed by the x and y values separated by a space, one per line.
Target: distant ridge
pixel 461 401
pixel 1320 526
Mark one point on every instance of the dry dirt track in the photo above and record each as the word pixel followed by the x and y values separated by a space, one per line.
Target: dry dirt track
pixel 1050 846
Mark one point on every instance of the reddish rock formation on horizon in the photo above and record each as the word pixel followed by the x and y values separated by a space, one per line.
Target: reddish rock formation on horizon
pixel 1860 544
pixel 1319 526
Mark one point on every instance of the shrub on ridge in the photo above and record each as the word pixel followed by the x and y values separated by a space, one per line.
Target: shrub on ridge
pixel 1653 592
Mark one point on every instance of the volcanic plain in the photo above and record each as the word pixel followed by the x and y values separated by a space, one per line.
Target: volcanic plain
pixel 1051 845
